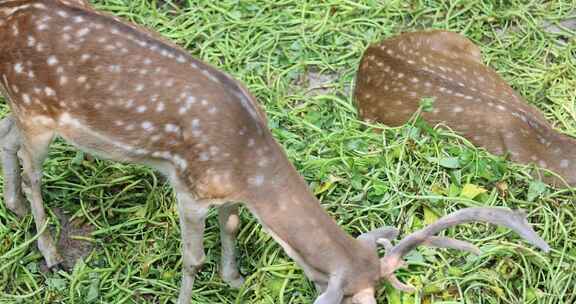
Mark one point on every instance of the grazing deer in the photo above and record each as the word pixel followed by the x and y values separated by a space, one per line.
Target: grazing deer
pixel 469 97
pixel 126 94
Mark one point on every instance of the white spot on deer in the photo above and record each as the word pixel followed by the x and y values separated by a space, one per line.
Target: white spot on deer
pixel 85 57
pixel 31 41
pixel 212 110
pixel 18 68
pixel 52 60
pixel 214 150
pixel 190 100
pixel 63 80
pixel 169 82
pixel 458 109
pixel 564 163
pixel 501 107
pixel 49 91
pixel 172 128
pixel 129 127
pixel 160 107
pixel 542 140
pixel 141 109
pixel 195 123
pixel 181 59
pixel 147 126
pixel 66 37
pixel 15 89
pixel 251 142
pixel 119 123
pixel 15 30
pixel 78 19
pixel 26 98
pixel 62 14
pixel 42 26
pixel 82 79
pixel 210 76
pixel 203 156
pixel 257 180
pixel 262 162
pixel 117 69
pixel 147 61
pixel 83 32
pixel 139 88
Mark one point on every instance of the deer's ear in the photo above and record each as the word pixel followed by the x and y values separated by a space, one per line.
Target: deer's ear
pixel 371 238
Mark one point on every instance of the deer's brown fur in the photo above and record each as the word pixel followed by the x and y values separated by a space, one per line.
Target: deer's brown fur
pixel 469 97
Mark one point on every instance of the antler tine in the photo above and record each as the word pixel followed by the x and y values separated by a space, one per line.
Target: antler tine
pixel 515 220
pixel 446 242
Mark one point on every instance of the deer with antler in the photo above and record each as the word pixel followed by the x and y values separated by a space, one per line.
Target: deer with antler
pixel 124 93
pixel 469 97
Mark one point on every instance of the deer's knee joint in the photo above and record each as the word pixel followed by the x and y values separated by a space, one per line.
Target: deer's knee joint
pixel 232 224
pixel 193 262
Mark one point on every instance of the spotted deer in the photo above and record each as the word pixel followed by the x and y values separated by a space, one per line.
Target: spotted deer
pixel 124 93
pixel 469 97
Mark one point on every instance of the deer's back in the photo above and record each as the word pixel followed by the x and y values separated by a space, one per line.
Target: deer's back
pixel 121 91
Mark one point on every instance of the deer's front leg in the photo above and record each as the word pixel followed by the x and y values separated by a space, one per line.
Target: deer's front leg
pixel 192 217
pixel 10 141
pixel 229 225
pixel 33 152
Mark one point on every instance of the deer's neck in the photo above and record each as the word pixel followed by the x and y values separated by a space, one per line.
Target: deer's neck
pixel 294 217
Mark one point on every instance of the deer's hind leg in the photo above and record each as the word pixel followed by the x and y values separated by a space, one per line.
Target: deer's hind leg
pixel 10 142
pixel 33 152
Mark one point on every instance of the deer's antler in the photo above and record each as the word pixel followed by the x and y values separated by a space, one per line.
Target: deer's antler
pixel 515 220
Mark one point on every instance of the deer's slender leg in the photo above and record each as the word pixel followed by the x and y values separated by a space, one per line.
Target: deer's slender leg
pixel 229 225
pixel 33 152
pixel 10 141
pixel 192 217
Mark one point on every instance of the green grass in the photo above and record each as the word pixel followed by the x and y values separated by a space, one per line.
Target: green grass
pixel 403 176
